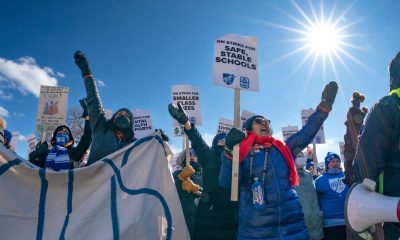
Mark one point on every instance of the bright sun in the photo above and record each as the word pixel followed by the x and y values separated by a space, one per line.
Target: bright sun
pixel 323 39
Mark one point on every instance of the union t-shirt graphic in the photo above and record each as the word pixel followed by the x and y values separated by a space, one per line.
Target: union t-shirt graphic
pixel 337 184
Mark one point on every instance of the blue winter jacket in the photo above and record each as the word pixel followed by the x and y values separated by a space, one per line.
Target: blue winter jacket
pixel 282 217
pixel 331 192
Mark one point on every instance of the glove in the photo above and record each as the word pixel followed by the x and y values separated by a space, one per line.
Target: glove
pixel 328 97
pixel 84 107
pixel 178 113
pixel 234 137
pixel 82 62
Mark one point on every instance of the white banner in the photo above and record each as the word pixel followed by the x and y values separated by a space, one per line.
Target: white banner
pixel 189 97
pixel 289 131
pixel 52 111
pixel 320 136
pixel 245 115
pixel 31 141
pixel 142 123
pixel 235 62
pixel 224 125
pixel 118 197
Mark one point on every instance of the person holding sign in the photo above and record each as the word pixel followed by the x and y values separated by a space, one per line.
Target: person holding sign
pixel 188 188
pixel 268 204
pixel 63 153
pixel 108 135
pixel 216 214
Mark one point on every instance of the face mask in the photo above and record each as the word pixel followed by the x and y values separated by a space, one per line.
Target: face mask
pixel 62 139
pixel 122 122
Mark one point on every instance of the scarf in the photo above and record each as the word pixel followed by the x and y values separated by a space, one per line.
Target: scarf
pixel 58 159
pixel 252 140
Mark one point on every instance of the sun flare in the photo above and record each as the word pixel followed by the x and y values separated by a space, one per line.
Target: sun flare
pixel 323 38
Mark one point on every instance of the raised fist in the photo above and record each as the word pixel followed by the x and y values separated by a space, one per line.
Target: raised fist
pixel 178 113
pixel 234 136
pixel 82 62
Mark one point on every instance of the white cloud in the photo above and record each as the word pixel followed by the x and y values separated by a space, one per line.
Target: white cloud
pixel 18 114
pixel 4 112
pixel 60 74
pixel 101 83
pixel 5 96
pixel 25 75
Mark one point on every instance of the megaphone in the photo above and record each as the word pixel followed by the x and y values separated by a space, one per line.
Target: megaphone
pixel 364 207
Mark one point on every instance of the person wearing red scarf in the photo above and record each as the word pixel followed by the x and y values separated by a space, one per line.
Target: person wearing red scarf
pixel 269 206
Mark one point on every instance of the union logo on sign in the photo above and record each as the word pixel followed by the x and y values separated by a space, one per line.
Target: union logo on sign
pixel 228 78
pixel 244 82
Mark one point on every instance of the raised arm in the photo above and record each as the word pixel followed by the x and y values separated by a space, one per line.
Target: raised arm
pixel 95 108
pixel 79 151
pixel 301 139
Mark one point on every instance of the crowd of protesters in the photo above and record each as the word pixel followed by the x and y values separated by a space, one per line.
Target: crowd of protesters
pixel 281 193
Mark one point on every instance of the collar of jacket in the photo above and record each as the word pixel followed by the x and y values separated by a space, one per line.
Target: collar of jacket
pixel 395 91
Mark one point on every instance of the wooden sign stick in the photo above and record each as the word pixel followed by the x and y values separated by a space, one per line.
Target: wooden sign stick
pixel 235 160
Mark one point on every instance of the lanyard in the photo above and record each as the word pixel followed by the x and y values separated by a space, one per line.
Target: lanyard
pixel 264 171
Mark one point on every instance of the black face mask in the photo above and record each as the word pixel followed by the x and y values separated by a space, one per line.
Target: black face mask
pixel 122 122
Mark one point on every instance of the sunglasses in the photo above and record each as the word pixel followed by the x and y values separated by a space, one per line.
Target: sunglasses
pixel 261 121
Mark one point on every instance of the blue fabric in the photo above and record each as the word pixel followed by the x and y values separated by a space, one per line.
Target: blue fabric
pixel 283 216
pixel 58 159
pixel 62 139
pixel 8 136
pixel 332 193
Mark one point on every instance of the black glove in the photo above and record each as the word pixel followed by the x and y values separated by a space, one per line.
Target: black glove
pixel 234 137
pixel 328 96
pixel 82 62
pixel 84 107
pixel 178 113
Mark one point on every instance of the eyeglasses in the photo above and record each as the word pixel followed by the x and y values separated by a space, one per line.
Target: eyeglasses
pixel 261 121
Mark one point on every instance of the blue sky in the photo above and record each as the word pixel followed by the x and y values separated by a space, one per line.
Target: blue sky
pixel 138 49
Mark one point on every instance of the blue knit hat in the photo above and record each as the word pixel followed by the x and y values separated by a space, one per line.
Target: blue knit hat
pixel 329 157
pixel 8 136
pixel 309 164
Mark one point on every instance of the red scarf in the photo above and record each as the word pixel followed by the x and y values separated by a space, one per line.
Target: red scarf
pixel 252 139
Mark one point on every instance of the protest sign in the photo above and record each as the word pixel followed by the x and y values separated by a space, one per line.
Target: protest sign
pixel 289 131
pixel 189 97
pixel 142 123
pixel 341 147
pixel 31 141
pixel 224 125
pixel 14 141
pixel 52 111
pixel 320 136
pixel 235 62
pixel 108 113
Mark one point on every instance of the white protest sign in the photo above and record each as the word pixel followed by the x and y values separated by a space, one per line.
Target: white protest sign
pixel 14 141
pixel 189 97
pixel 142 123
pixel 31 141
pixel 245 115
pixel 108 113
pixel 52 111
pixel 289 131
pixel 224 125
pixel 235 62
pixel 320 136
pixel 341 147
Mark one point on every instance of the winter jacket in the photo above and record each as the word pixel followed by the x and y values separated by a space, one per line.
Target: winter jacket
pixel 216 214
pixel 188 200
pixel 39 155
pixel 331 191
pixel 104 139
pixel 282 217
pixel 378 149
pixel 309 202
